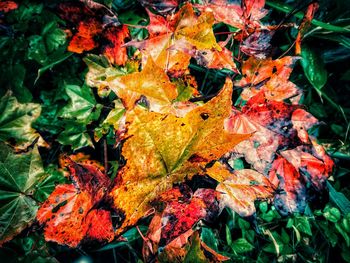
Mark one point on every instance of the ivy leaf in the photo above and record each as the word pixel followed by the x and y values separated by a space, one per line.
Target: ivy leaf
pixel 19 174
pixel 16 122
pixel 54 36
pixel 101 72
pixel 82 105
pixel 162 149
pixel 241 245
pixel 76 135
pixel 241 188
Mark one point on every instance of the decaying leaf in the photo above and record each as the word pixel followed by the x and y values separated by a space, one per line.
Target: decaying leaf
pixel 291 196
pixel 161 149
pixel 304 26
pixel 167 33
pixel 7 6
pixel 243 14
pixel 269 76
pixel 183 209
pixel 70 214
pixel 114 50
pixel 273 129
pixel 241 188
pixel 16 122
pixel 313 163
pixel 93 20
pixel 101 72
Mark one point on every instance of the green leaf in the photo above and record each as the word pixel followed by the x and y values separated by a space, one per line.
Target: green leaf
pixel 16 121
pixel 37 49
pixel 130 236
pixel 263 206
pixel 302 224
pixel 48 183
pixel 100 72
pixel 289 9
pixel 241 245
pixel 54 36
pixel 82 105
pixel 195 253
pixel 54 59
pixel 332 214
pixel 75 135
pixel 313 67
pixel 13 78
pixel 209 238
pixel 19 174
pixel 343 233
pixel 228 236
pixel 339 199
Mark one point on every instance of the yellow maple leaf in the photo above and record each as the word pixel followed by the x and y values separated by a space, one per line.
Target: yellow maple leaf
pixel 152 82
pixel 162 149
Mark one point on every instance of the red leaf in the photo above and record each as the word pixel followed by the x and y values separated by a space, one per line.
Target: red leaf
pixel 304 26
pixel 7 6
pixel 292 195
pixel 181 213
pixel 313 162
pixel 268 76
pixel 83 40
pixel 242 15
pixel 69 215
pixel 114 49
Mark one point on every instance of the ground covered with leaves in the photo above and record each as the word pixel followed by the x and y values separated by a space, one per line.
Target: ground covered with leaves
pixel 174 131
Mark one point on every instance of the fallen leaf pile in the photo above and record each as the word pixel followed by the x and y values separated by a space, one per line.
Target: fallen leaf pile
pixel 167 136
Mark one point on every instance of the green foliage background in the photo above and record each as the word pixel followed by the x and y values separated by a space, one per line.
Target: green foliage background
pixel 40 78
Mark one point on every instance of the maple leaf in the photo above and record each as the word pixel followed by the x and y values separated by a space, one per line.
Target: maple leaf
pixel 162 149
pixel 244 15
pixel 291 196
pixel 313 163
pixel 152 82
pixel 184 26
pixel 182 211
pixel 241 188
pixel 209 58
pixel 275 126
pixel 268 76
pixel 70 214
pixel 83 40
pixel 115 52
